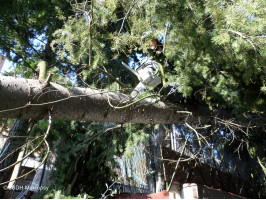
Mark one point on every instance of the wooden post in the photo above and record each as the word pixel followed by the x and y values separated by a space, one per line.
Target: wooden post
pixel 16 170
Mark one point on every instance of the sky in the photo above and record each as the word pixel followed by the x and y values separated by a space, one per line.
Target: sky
pixel 7 66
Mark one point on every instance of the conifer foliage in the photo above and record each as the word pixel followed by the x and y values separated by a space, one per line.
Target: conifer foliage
pixel 215 51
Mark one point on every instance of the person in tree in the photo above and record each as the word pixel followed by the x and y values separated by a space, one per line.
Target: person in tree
pixel 170 92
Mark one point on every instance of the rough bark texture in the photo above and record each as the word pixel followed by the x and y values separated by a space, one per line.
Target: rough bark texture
pixel 26 98
pixel 19 128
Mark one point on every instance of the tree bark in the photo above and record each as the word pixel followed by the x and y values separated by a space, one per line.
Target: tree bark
pixel 27 99
pixel 19 128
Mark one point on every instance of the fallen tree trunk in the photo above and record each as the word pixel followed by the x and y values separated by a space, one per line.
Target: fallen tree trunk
pixel 28 99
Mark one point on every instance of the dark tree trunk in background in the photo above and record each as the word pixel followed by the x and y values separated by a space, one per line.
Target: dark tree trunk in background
pixel 156 141
pixel 19 128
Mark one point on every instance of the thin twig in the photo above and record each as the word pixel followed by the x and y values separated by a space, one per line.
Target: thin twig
pixel 170 184
pixel 111 76
pixel 197 134
pixel 90 33
pixel 100 133
pixel 127 15
pixel 241 35
pixel 24 145
pixel 7 136
pixel 52 102
pixel 47 131
pixel 103 195
pixel 184 112
pixel 46 155
pixel 130 104
pixel 229 122
pixel 194 155
pixel 165 34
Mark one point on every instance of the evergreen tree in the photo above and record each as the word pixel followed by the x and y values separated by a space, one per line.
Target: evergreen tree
pixel 214 49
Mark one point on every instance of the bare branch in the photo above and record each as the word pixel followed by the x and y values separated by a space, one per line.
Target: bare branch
pixel 46 155
pixel 170 184
pixel 122 25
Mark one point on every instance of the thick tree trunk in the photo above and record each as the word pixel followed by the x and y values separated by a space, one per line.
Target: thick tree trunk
pixel 19 128
pixel 27 98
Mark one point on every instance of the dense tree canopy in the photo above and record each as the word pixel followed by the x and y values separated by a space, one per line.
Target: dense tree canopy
pixel 214 49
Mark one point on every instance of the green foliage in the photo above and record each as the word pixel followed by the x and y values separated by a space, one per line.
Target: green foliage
pixel 262 166
pixel 26 32
pixel 5 124
pixel 76 47
pixel 57 194
pixel 81 154
pixel 214 49
pixel 98 34
pixel 137 133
